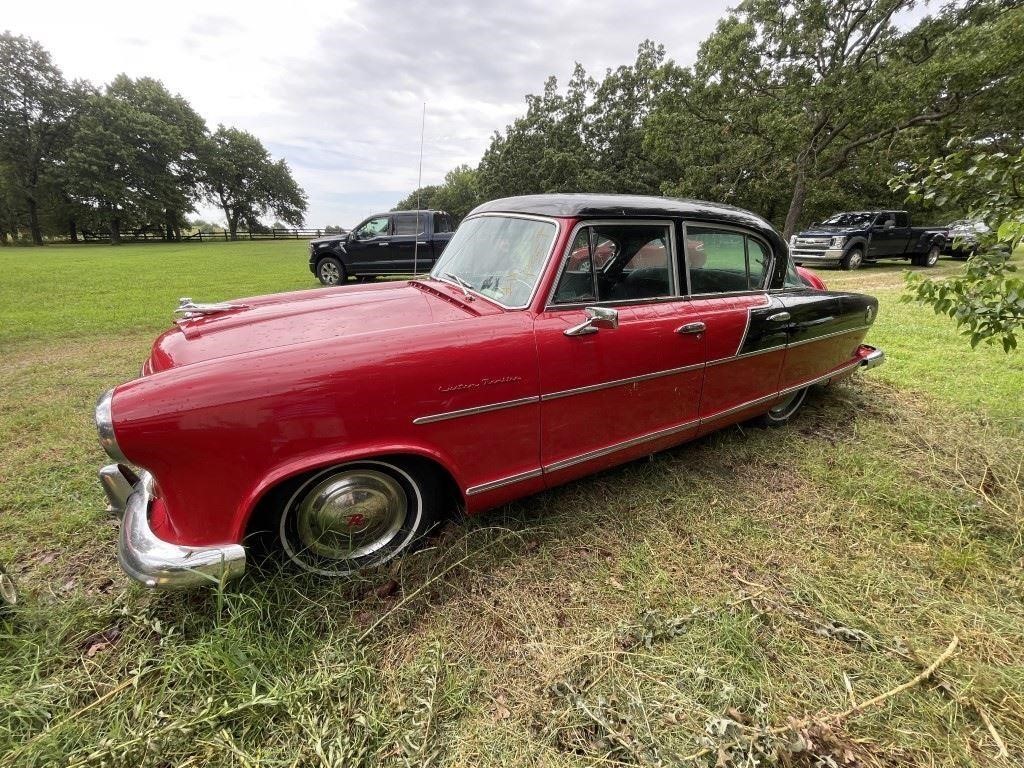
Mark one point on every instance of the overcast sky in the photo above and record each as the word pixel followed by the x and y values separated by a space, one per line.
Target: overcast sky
pixel 337 88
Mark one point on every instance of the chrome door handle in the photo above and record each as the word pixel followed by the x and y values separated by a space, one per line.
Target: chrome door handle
pixel 419 243
pixel 697 327
pixel 779 317
pixel 383 245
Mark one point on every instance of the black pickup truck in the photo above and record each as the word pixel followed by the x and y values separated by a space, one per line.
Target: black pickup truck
pixel 849 239
pixel 395 243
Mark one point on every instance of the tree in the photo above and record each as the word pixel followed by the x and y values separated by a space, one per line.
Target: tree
pixel 170 169
pixel 115 165
pixel 240 177
pixel 987 299
pixel 36 110
pixel 792 94
pixel 458 194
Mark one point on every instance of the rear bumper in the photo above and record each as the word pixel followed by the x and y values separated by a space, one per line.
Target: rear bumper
pixel 149 559
pixel 871 357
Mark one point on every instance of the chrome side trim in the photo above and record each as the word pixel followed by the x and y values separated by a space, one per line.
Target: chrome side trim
pixel 473 411
pixel 667 432
pixel 597 454
pixel 618 382
pixel 828 335
pixel 502 482
pixel 157 563
pixel 105 427
pixel 746 328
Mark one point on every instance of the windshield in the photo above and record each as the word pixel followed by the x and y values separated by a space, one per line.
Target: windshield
pixel 850 219
pixel 500 257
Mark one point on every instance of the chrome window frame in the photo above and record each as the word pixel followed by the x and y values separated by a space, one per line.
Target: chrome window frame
pixel 673 263
pixel 769 267
pixel 540 274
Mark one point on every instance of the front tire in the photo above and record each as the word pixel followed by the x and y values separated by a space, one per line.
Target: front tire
pixel 330 271
pixel 358 515
pixel 852 260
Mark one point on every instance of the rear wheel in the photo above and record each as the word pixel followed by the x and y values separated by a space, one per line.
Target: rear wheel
pixel 358 515
pixel 929 259
pixel 784 410
pixel 853 259
pixel 331 271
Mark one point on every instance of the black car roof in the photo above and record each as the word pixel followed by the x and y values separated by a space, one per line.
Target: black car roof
pixel 613 206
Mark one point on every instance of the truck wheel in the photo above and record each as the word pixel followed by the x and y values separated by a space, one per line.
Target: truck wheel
pixel 331 271
pixel 929 259
pixel 853 259
pixel 358 515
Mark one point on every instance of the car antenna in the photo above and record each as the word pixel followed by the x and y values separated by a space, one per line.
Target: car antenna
pixel 419 187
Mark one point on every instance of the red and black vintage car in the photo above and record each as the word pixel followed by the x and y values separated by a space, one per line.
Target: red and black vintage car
pixel 558 335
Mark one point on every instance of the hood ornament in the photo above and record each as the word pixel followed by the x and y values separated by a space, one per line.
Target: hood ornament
pixel 188 309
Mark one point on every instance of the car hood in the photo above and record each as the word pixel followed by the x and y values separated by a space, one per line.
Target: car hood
pixel 329 239
pixel 326 314
pixel 822 231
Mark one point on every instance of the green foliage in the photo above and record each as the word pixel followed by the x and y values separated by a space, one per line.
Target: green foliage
pixel 239 176
pixel 37 107
pixel 457 195
pixel 987 299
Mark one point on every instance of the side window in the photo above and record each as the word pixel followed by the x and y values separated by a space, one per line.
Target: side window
pixel 723 261
pixel 617 262
pixel 442 223
pixel 375 227
pixel 758 258
pixel 902 219
pixel 407 224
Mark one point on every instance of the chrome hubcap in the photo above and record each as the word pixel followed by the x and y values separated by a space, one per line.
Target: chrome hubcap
pixel 329 273
pixel 350 514
pixel 855 260
pixel 933 256
pixel 791 403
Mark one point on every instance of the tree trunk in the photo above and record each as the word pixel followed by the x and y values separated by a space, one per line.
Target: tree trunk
pixel 233 227
pixel 796 205
pixel 169 228
pixel 33 221
pixel 72 230
pixel 115 231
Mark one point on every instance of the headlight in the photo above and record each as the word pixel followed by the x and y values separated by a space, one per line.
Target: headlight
pixel 792 241
pixel 837 242
pixel 105 427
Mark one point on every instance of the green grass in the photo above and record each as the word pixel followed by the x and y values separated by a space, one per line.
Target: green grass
pixel 613 621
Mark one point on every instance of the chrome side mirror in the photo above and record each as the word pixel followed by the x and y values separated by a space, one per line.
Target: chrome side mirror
pixel 597 318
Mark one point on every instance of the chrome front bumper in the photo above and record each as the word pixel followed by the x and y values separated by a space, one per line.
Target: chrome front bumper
pixel 828 256
pixel 151 560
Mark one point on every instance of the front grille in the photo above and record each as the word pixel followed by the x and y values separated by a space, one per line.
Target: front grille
pixel 813 242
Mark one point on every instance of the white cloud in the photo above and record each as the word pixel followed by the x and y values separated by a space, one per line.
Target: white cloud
pixel 337 88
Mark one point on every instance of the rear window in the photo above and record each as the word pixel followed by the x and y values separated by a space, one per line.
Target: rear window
pixel 442 223
pixel 407 224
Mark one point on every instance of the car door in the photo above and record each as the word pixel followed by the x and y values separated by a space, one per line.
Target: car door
pixel 609 394
pixel 746 328
pixel 410 244
pixel 368 249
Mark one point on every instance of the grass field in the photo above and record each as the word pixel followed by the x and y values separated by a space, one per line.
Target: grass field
pixel 730 601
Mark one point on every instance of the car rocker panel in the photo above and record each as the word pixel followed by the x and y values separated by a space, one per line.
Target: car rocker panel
pixel 352 418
